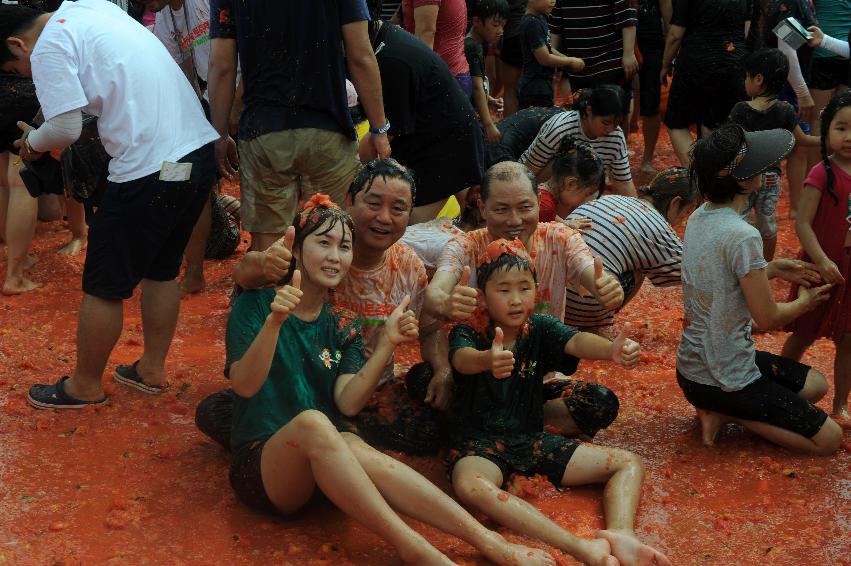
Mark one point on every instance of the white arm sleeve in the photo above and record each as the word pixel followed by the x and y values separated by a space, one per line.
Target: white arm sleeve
pixel 837 46
pixel 57 133
pixel 795 77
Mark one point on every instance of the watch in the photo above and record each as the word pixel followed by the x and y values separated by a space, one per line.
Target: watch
pixel 382 130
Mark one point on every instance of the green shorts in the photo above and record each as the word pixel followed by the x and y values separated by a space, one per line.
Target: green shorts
pixel 280 169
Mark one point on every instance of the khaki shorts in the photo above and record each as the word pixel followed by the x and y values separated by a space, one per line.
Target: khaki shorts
pixel 280 169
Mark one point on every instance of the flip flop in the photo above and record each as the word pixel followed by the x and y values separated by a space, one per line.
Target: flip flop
pixel 42 396
pixel 129 376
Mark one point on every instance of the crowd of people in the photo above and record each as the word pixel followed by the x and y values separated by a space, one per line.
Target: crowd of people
pixel 350 126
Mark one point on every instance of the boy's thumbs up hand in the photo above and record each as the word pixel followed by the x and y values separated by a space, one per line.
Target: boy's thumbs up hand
pixel 502 360
pixel 625 352
pixel 463 300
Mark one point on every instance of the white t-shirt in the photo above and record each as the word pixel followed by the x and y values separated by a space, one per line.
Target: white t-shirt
pixel 186 33
pixel 93 56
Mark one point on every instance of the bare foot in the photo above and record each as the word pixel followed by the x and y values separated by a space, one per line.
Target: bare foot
pixel 74 247
pixel 842 416
pixel 193 282
pixel 505 553
pixel 710 424
pixel 648 169
pixel 18 286
pixel 632 552
pixel 596 552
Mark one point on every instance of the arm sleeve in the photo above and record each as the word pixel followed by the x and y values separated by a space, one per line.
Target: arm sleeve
pixel 625 16
pixel 461 336
pixel 680 13
pixel 795 77
pixel 222 23
pixel 534 33
pixel 55 74
pixel 353 11
pixel 353 357
pixel 472 51
pixel 554 337
pixel 745 254
pixel 577 253
pixel 619 167
pixel 59 132
pixel 457 254
pixel 837 46
pixel 246 319
pixel 543 147
pixel 817 177
pixel 667 260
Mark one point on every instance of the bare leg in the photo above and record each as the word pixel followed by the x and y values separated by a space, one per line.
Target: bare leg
pixel 795 346
pixel 50 208
pixel 623 473
pixel 476 482
pixel 78 227
pixel 426 212
pixel 510 79
pixel 796 168
pixel 842 379
pixel 557 415
pixel 4 192
pixel 682 141
pixel 160 307
pixel 413 495
pixel 193 278
pixel 650 130
pixel 20 228
pixel 308 452
pixel 98 330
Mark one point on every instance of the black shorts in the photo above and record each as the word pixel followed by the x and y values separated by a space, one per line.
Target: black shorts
pixel 770 399
pixel 141 228
pixel 511 53
pixel 703 96
pixel 827 73
pixel 246 478
pixel 649 85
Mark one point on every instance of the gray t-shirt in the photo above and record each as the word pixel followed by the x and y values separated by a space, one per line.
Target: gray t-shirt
pixel 716 347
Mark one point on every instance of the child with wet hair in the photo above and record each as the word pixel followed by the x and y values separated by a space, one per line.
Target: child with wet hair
pixel 725 287
pixel 499 364
pixel 298 370
pixel 577 177
pixel 765 75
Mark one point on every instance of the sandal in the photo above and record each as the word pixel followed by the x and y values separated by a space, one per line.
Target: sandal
pixel 43 396
pixel 129 376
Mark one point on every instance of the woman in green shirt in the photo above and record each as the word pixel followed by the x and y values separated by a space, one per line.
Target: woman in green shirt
pixel 297 367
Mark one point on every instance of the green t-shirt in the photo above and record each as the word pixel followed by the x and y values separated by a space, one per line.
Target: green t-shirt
pixel 486 406
pixel 308 358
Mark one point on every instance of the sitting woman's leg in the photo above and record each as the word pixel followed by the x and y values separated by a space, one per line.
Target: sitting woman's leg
pixel 477 482
pixel 413 495
pixel 623 473
pixel 308 452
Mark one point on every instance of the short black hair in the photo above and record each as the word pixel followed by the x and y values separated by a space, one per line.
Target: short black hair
pixel 667 185
pixel 604 100
pixel 709 156
pixel 505 262
pixel 507 171
pixel 386 169
pixel 14 20
pixel 772 64
pixel 484 9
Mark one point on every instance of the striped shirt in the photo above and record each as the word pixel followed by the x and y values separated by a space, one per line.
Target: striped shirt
pixel 633 240
pixel 611 148
pixel 592 32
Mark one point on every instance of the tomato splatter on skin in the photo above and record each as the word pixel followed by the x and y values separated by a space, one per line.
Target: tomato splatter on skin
pixel 159 502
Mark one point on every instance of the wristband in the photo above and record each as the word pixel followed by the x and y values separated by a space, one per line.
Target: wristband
pixel 382 130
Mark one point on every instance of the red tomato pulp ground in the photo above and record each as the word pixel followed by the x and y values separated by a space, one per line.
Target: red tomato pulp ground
pixel 134 482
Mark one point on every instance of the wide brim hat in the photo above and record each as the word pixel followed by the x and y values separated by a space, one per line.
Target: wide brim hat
pixel 761 151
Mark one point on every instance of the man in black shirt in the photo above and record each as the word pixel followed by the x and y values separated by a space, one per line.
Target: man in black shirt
pixel 295 132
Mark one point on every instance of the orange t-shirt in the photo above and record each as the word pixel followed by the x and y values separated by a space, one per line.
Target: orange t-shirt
pixel 559 253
